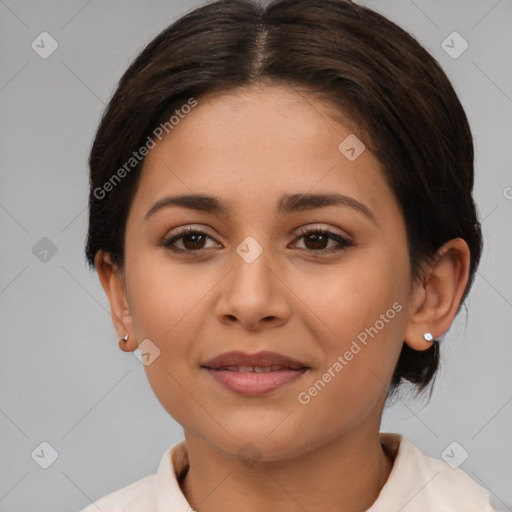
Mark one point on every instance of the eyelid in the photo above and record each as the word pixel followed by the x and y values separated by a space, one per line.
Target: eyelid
pixel 321 227
pixel 200 227
pixel 342 241
pixel 183 231
pixel 189 227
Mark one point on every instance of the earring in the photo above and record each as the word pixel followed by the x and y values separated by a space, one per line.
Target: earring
pixel 124 338
pixel 428 337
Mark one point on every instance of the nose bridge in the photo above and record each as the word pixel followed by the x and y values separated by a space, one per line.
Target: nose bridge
pixel 252 291
pixel 252 275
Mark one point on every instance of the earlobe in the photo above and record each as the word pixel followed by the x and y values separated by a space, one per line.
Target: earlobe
pixel 127 345
pixel 112 282
pixel 439 295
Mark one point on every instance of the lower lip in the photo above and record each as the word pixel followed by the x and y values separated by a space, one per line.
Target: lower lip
pixel 253 383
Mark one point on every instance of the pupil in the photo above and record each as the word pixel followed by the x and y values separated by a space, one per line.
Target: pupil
pixel 188 238
pixel 317 238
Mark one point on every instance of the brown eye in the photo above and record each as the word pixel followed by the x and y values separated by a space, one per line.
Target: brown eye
pixel 194 241
pixel 316 240
pixel 191 239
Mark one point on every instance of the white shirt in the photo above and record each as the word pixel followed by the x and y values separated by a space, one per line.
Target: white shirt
pixel 417 483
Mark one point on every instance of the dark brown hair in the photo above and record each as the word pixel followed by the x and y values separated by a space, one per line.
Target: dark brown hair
pixel 363 64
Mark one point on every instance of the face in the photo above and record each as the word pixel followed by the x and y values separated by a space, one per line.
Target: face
pixel 252 280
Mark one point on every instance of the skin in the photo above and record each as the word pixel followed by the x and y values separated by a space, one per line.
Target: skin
pixel 248 147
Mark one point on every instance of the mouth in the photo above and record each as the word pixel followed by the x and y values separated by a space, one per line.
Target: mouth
pixel 260 362
pixel 253 383
pixel 255 369
pixel 256 374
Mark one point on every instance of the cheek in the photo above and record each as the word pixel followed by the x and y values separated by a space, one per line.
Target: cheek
pixel 362 316
pixel 165 308
pixel 359 361
pixel 163 295
pixel 351 296
pixel 169 304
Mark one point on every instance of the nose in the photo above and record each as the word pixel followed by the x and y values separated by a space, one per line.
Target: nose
pixel 253 294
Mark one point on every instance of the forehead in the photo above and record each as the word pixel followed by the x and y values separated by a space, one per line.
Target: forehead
pixel 251 145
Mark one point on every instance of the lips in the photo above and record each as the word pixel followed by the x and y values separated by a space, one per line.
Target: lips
pixel 256 369
pixel 254 374
pixel 259 362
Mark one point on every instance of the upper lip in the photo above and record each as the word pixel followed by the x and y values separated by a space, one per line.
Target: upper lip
pixel 265 359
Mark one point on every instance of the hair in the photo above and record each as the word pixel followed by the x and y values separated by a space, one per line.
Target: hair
pixel 363 64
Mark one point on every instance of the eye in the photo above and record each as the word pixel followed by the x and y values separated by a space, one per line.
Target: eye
pixel 316 240
pixel 191 239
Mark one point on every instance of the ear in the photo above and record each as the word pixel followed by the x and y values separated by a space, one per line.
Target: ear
pixel 436 301
pixel 113 283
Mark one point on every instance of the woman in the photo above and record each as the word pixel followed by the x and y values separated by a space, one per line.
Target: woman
pixel 281 216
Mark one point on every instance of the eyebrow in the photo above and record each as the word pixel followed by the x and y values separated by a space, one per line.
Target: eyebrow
pixel 287 203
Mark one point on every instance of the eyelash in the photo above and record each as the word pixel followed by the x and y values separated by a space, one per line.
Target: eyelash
pixel 344 243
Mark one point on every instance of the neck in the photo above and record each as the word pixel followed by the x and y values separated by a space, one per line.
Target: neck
pixel 346 473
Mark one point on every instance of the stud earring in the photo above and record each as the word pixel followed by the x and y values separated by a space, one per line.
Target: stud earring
pixel 428 337
pixel 125 338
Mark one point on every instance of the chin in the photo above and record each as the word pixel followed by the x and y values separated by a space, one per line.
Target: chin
pixel 251 445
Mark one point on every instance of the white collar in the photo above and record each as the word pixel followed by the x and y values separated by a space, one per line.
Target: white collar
pixel 417 482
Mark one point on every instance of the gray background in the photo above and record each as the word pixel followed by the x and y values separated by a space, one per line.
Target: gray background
pixel 63 379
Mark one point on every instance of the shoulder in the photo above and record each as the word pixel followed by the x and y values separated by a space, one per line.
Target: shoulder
pixel 136 496
pixel 159 491
pixel 419 482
